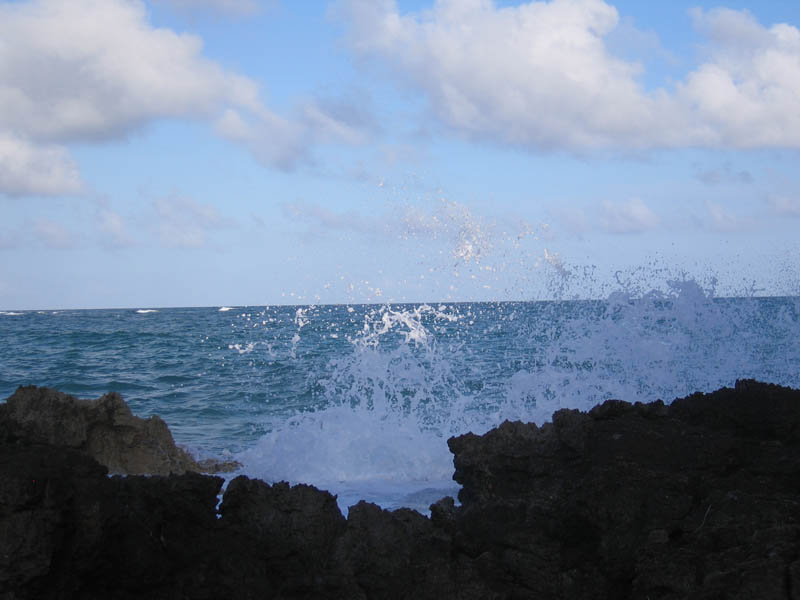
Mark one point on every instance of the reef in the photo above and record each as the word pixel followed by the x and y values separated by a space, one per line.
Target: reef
pixel 696 499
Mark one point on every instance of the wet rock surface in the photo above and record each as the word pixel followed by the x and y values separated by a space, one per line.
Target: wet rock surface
pixel 698 499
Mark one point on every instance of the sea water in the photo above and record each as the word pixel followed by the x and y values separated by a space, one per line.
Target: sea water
pixel 361 399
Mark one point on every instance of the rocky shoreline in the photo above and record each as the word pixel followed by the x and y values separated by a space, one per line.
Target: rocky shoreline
pixel 696 499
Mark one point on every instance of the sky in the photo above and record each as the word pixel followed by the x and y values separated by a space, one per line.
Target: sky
pixel 255 152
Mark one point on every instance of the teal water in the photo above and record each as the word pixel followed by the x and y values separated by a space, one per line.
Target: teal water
pixel 361 399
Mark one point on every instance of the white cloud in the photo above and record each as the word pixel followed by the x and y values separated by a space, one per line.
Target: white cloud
pixel 748 94
pixel 93 70
pixel 86 70
pixel 537 75
pixel 271 139
pixel 183 222
pixel 286 143
pixel 631 43
pixel 43 169
pixel 541 76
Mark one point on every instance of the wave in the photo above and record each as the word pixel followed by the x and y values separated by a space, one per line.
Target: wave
pixel 144 311
pixel 415 375
pixel 9 313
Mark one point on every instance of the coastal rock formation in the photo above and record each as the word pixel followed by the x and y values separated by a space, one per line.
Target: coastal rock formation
pixel 697 499
pixel 105 429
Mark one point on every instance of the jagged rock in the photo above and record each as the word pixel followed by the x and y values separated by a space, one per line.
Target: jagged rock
pixel 67 530
pixel 290 533
pixel 698 499
pixel 104 429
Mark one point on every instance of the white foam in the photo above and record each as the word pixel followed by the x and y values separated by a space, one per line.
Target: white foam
pixel 387 407
pixel 357 454
pixel 11 313
pixel 383 434
pixel 225 308
pixel 144 311
pixel 242 349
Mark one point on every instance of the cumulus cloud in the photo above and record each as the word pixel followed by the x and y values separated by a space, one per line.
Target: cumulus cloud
pixel 94 70
pixel 536 75
pixel 748 93
pixel 541 76
pixel 43 169
pixel 87 70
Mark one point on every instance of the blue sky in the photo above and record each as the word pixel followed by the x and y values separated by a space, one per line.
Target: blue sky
pixel 227 152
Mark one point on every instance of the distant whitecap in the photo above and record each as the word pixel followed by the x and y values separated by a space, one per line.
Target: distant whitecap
pixel 144 311
pixel 10 313
pixel 225 308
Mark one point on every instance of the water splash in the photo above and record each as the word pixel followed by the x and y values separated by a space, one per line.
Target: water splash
pixel 387 403
pixel 413 375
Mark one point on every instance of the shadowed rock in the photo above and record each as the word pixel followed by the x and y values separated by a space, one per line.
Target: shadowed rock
pixel 104 429
pixel 699 499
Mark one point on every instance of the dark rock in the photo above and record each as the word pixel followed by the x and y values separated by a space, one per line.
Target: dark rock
pixel 698 499
pixel 104 429
pixel 67 530
pixel 290 531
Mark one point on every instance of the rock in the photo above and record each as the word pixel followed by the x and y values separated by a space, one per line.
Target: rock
pixel 104 429
pixel 697 499
pixel 67 530
pixel 402 554
pixel 290 533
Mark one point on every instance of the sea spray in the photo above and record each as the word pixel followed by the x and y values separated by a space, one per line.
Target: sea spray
pixel 415 375
pixel 389 405
pixel 362 398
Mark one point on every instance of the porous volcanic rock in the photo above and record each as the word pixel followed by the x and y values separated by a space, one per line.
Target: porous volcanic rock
pixel 698 499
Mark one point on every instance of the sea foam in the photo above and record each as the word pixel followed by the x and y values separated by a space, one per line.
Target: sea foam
pixel 415 375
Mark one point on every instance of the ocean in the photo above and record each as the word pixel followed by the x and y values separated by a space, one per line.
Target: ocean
pixel 360 399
